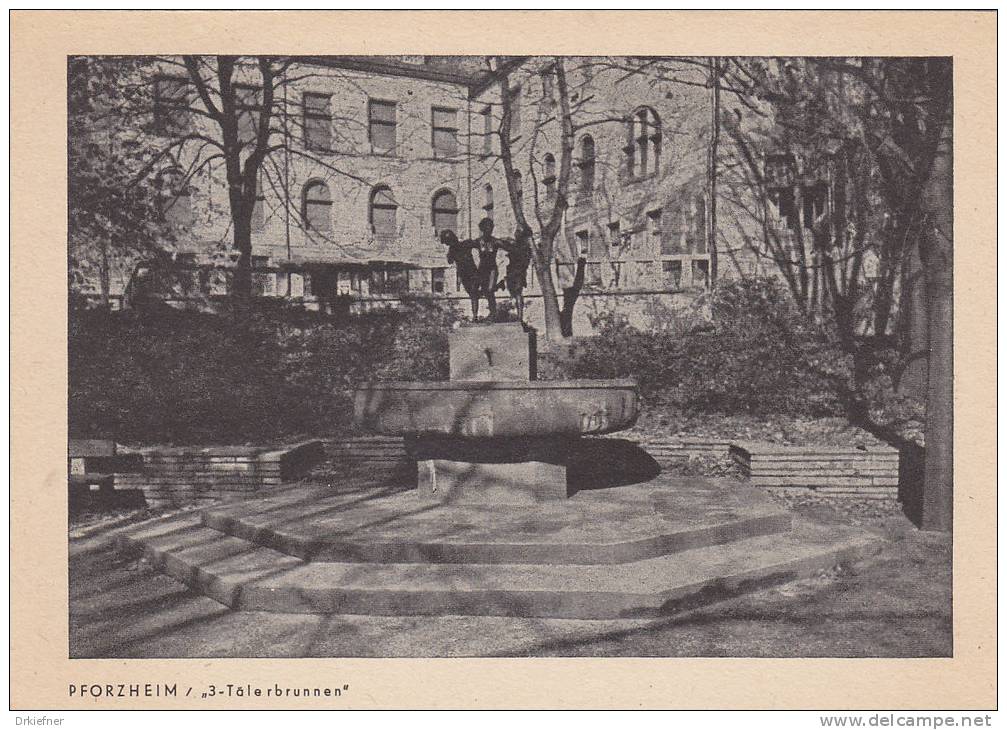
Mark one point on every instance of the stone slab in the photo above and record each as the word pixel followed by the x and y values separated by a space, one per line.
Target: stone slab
pixel 492 352
pixel 245 576
pixel 600 526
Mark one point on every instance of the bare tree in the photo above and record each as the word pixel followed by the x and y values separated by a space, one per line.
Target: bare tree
pixel 241 114
pixel 540 204
pixel 882 126
pixel 548 213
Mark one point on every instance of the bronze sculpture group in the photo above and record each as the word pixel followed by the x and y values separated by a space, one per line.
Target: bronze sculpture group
pixel 480 276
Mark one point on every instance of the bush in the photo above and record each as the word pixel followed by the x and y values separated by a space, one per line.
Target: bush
pixel 160 375
pixel 757 356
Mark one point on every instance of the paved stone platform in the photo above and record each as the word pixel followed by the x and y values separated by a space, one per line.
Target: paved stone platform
pixel 593 527
pixel 631 551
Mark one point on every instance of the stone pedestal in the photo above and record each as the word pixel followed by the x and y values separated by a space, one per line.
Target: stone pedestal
pixel 465 482
pixel 492 471
pixel 497 352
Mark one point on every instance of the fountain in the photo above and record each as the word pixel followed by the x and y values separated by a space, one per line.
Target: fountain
pixel 493 433
pixel 511 512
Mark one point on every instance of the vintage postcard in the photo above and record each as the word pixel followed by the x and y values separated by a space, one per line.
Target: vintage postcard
pixel 503 359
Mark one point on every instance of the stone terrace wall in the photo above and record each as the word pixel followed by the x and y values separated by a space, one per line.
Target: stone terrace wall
pixel 830 471
pixel 187 475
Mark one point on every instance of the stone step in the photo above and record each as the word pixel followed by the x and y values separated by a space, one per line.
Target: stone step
pixel 366 547
pixel 601 527
pixel 244 575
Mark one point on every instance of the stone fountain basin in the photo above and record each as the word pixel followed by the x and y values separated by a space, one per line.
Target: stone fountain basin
pixel 499 409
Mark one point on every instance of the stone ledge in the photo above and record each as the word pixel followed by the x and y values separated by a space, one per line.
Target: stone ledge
pixel 180 475
pixel 827 470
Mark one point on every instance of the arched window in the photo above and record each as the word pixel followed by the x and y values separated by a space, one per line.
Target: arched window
pixel 549 176
pixel 643 149
pixel 587 164
pixel 445 212
pixel 317 210
pixel 382 212
pixel 174 198
pixel 488 204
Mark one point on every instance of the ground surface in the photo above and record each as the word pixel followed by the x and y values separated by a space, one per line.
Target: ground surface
pixel 897 604
pixel 668 423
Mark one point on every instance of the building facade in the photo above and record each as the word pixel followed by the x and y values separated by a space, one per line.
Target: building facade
pixel 374 157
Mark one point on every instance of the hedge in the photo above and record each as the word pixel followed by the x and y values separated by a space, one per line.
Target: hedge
pixel 160 375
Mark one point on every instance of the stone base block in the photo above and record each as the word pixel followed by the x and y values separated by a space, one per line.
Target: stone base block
pixel 492 471
pixel 464 482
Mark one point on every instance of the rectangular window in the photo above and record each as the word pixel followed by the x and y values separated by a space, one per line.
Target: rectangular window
pixel 264 283
pixel 247 103
pixel 487 115
pixel 172 113
pixel 593 274
pixel 419 279
pixel 445 132
pixel 317 121
pixel 614 236
pixel 346 282
pixel 671 239
pixel 437 281
pixel 583 242
pixel 782 207
pixel 701 273
pixel 672 271
pixel 381 116
pixel 383 213
pixel 377 281
pixel 813 199
pixel 398 281
pixel 654 226
pixel 296 285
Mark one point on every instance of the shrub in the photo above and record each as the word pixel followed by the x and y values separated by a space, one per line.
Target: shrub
pixel 163 375
pixel 757 356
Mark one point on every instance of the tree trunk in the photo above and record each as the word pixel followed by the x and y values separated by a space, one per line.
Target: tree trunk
pixel 106 277
pixel 570 295
pixel 711 243
pixel 242 284
pixel 938 205
pixel 914 325
pixel 550 305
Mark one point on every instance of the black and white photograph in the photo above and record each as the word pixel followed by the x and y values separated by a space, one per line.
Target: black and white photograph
pixel 509 356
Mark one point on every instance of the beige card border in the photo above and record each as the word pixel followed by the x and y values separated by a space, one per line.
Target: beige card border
pixel 40 40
